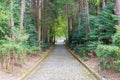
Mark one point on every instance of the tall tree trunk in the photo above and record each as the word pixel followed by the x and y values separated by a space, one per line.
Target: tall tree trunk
pixel 68 25
pixel 22 13
pixel 97 10
pixel 11 22
pixel 117 9
pixel 103 3
pixel 44 18
pixel 79 14
pixel 73 27
pixel 86 16
pixel 33 6
pixel 69 19
pixel 38 19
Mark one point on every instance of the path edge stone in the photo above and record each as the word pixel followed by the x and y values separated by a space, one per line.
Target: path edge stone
pixel 32 69
pixel 96 75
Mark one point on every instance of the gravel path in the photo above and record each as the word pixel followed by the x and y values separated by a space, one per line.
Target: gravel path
pixel 61 65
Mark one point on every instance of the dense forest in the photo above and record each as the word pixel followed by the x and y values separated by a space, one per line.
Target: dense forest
pixel 94 31
pixel 91 28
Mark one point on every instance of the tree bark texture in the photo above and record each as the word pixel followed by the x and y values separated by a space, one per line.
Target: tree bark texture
pixel 117 9
pixel 22 13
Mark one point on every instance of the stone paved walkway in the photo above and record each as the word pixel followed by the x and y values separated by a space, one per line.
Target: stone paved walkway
pixel 61 65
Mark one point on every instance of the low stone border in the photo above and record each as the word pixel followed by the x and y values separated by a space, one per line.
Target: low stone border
pixel 96 75
pixel 31 70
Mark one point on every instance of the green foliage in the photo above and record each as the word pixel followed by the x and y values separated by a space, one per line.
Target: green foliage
pixel 95 2
pixel 102 29
pixel 19 35
pixel 100 39
pixel 107 55
pixel 6 47
pixel 16 46
pixel 116 37
pixel 107 51
pixel 44 46
pixel 81 50
pixel 61 26
pixel 117 65
pixel 9 69
pixel 102 26
pixel 31 27
pixel 4 27
pixel 91 46
pixel 34 50
pixel 21 57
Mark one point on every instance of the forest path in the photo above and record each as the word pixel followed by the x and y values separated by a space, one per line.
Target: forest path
pixel 61 65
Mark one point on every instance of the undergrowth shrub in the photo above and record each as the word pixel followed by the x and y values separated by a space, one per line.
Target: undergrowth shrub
pixel 116 37
pixel 107 55
pixel 33 50
pixel 80 49
pixel 13 50
pixel 117 65
pixel 44 46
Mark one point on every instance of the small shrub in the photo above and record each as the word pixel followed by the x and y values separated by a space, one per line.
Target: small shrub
pixel 91 46
pixel 9 69
pixel 34 50
pixel 117 65
pixel 45 46
pixel 116 37
pixel 107 55
pixel 21 57
pixel 80 49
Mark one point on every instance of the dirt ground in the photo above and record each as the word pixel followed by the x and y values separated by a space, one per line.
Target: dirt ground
pixel 108 73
